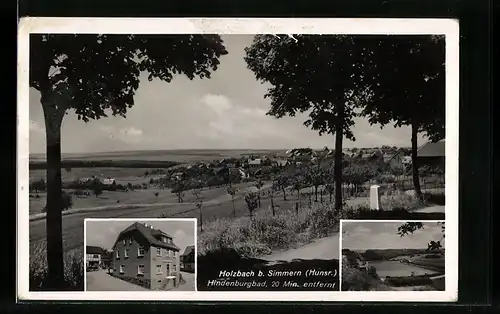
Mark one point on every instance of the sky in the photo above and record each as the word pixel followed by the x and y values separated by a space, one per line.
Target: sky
pixel 227 111
pixel 383 235
pixel 104 233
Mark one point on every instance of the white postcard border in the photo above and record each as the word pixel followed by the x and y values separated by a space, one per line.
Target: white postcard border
pixel 447 27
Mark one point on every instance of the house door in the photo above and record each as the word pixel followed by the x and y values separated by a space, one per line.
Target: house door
pixel 169 267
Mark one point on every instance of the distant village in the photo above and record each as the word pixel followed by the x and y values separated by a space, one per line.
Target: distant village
pixel 264 165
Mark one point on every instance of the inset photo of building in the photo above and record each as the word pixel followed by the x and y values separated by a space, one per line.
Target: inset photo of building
pixel 140 255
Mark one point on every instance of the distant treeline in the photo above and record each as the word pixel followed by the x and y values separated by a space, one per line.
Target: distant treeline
pixel 386 254
pixel 68 164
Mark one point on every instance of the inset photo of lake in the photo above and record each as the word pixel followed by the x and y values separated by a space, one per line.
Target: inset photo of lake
pixel 393 255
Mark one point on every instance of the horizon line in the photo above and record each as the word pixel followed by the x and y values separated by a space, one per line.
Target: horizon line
pixel 218 149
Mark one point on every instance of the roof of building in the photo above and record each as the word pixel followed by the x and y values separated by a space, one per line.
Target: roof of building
pixel 430 149
pixel 150 235
pixel 188 250
pixel 93 250
pixel 255 162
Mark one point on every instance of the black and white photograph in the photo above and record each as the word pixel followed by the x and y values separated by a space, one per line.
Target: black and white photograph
pixel 393 256
pixel 267 140
pixel 140 255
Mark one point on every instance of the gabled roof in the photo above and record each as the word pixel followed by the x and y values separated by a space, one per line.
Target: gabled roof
pixel 150 235
pixel 430 149
pixel 188 250
pixel 93 250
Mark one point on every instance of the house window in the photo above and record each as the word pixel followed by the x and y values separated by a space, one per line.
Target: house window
pixel 124 241
pixel 173 252
pixel 122 269
pixel 174 268
pixel 125 254
pixel 164 239
pixel 130 241
pixel 117 254
pixel 140 270
pixel 140 251
pixel 158 270
pixel 96 255
pixel 168 253
pixel 158 252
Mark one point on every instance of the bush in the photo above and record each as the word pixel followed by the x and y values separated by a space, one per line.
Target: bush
pixel 143 282
pixel 265 233
pixel 38 185
pixel 73 269
pixel 435 198
pixel 401 200
pixel 66 202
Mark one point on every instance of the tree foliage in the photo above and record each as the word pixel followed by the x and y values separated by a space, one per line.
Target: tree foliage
pixel 411 227
pixel 100 72
pixel 321 75
pixel 407 85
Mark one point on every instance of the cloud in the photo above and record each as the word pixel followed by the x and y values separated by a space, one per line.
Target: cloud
pixel 127 135
pixel 35 127
pixel 220 104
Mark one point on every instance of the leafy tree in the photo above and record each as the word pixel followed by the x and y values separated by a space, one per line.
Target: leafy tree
pixel 66 202
pixel 178 190
pixel 316 176
pixel 259 184
pixel 318 74
pixel 251 201
pixel 411 227
pixel 330 183
pixel 232 192
pixel 199 204
pixel 298 184
pixel 405 94
pixel 96 74
pixel 282 182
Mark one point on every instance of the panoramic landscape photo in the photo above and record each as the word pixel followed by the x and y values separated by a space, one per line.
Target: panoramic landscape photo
pixel 393 256
pixel 268 141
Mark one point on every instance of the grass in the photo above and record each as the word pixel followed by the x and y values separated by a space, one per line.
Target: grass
pixel 264 233
pixel 73 269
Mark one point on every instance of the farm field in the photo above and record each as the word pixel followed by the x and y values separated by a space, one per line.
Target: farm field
pixel 188 155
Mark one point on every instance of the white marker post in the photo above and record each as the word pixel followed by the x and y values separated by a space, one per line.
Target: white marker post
pixel 374 197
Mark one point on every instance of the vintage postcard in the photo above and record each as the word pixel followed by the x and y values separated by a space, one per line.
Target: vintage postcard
pixel 237 159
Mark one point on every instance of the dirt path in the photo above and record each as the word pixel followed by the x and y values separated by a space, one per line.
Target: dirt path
pixel 325 248
pixel 431 209
pixel 101 281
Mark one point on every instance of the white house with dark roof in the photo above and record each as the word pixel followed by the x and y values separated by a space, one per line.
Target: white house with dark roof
pixel 143 252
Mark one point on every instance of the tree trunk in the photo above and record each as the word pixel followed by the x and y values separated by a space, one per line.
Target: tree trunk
pixel 258 197
pixel 284 194
pixel 414 162
pixel 272 205
pixel 321 196
pixel 330 197
pixel 234 208
pixel 337 167
pixel 315 193
pixel 55 259
pixel 201 220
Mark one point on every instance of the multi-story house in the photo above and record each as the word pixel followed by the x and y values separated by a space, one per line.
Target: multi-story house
pixel 93 257
pixel 187 259
pixel 143 252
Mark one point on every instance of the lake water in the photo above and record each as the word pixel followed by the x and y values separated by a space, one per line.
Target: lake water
pixel 394 268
